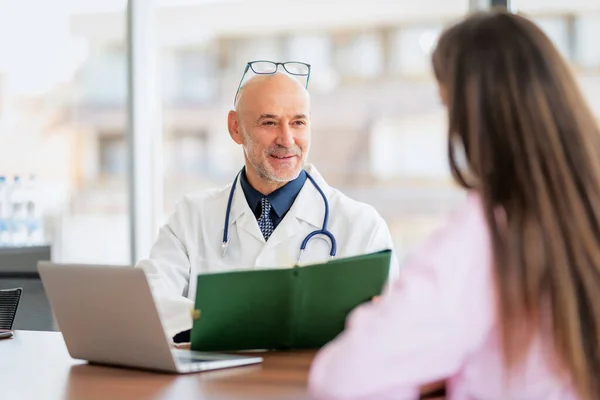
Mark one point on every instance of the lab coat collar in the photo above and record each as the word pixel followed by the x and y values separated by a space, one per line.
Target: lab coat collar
pixel 308 207
pixel 239 205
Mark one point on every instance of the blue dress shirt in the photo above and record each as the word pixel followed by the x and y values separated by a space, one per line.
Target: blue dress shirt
pixel 281 200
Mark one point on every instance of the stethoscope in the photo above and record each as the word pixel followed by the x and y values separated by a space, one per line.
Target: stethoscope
pixel 323 231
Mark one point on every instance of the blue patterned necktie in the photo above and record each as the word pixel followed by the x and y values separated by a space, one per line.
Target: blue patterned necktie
pixel 265 223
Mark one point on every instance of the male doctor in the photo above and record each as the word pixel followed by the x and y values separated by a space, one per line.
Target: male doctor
pixel 273 205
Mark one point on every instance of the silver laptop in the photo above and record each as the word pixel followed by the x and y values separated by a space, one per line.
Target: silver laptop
pixel 107 315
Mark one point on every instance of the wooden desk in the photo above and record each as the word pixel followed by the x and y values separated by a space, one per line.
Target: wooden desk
pixel 36 365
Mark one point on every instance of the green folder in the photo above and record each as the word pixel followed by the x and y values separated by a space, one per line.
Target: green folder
pixel 293 308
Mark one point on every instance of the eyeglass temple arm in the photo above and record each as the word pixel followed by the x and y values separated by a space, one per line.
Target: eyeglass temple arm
pixel 240 85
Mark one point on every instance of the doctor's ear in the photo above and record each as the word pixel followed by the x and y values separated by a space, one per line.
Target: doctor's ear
pixel 233 124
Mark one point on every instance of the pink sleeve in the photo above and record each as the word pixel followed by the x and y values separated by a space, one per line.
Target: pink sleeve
pixel 423 328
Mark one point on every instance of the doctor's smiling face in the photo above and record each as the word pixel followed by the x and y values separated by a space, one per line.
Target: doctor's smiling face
pixel 272 123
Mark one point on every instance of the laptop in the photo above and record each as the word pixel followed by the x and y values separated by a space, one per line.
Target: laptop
pixel 107 315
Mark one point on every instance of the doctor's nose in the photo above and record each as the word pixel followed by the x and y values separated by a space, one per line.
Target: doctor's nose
pixel 286 137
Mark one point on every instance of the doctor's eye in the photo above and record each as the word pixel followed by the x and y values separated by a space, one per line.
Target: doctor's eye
pixel 299 123
pixel 269 123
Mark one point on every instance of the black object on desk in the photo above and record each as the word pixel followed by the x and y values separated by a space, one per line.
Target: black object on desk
pixel 9 302
pixel 18 268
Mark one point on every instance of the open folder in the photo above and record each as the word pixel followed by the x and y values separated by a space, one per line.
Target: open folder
pixel 293 308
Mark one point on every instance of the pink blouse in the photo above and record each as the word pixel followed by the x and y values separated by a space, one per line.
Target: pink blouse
pixel 436 322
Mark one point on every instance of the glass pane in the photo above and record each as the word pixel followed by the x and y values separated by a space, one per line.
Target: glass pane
pixel 62 121
pixel 388 129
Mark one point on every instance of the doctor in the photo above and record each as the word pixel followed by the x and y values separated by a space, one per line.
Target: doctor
pixel 262 218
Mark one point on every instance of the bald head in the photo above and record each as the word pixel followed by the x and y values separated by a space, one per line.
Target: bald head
pixel 275 85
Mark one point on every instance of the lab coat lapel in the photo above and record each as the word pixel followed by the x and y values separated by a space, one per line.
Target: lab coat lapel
pixel 242 216
pixel 308 207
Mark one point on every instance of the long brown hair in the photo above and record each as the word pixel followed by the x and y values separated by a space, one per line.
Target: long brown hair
pixel 533 146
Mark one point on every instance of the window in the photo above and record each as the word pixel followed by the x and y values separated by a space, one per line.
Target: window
pixel 345 46
pixel 56 68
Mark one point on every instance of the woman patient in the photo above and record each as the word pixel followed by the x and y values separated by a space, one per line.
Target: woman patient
pixel 504 301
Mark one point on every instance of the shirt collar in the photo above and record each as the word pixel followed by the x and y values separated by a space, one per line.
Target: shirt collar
pixel 281 200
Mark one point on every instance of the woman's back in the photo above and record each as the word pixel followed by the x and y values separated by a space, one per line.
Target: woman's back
pixel 438 321
pixel 505 304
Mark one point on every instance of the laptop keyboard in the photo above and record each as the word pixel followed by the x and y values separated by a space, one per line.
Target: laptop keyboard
pixel 186 359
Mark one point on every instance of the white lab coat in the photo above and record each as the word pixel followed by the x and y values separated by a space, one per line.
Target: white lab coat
pixel 190 243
